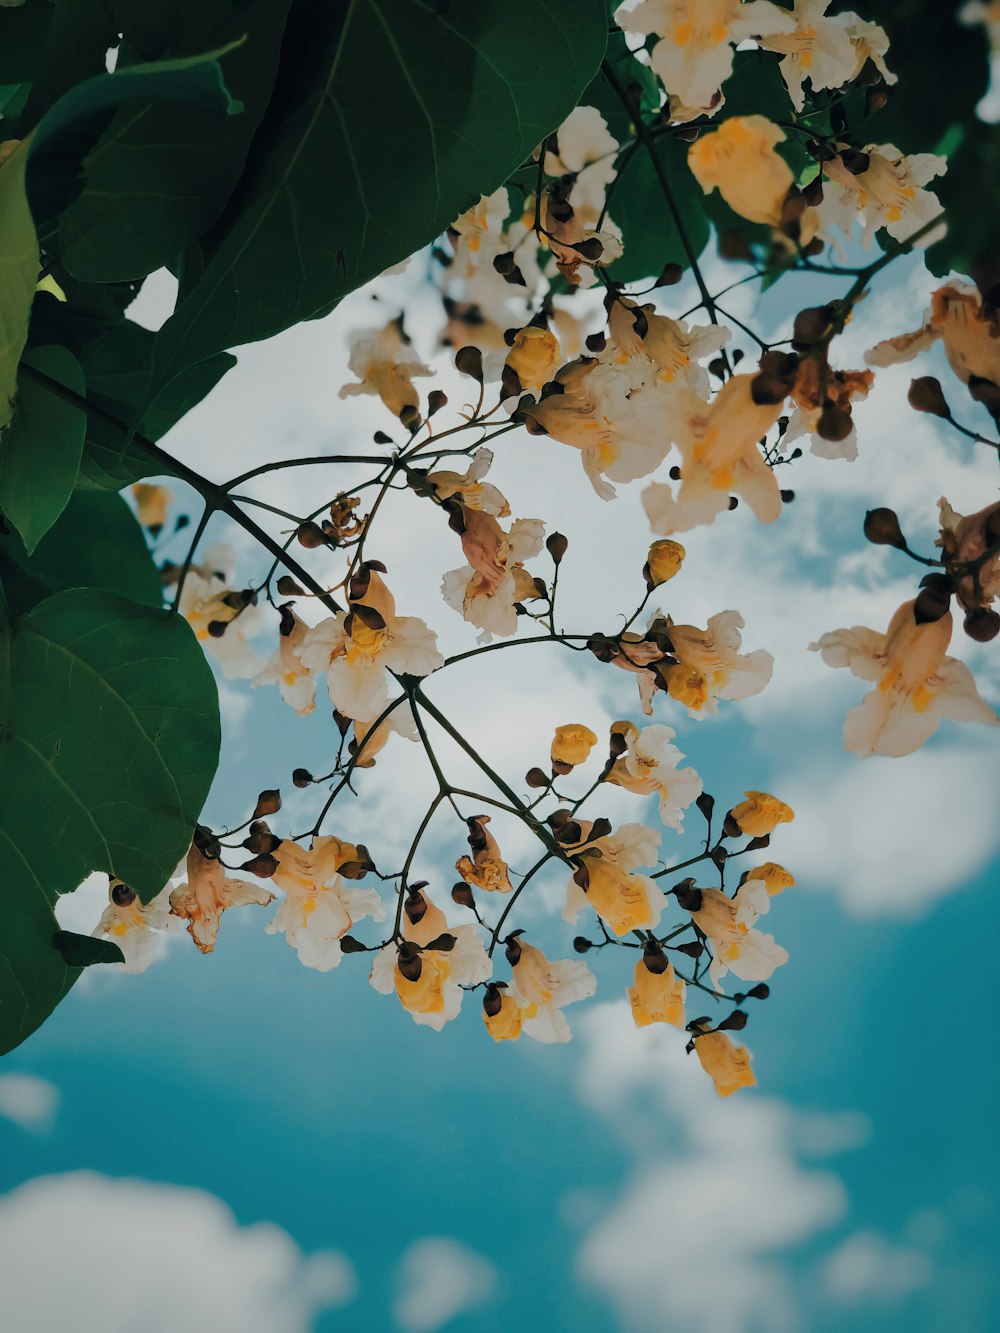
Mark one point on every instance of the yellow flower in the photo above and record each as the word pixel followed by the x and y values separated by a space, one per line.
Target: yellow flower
pixel 727 1065
pixel 503 1016
pixel 534 357
pixel 663 562
pixel 739 160
pixel 571 745
pixel 486 868
pixel 760 814
pixel 776 878
pixel 656 997
pixel 207 893
pixel 151 505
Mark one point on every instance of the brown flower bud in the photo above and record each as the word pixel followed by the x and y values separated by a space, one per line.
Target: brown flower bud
pixel 469 360
pixel 882 528
pixel 736 1022
pixel 262 866
pixel 536 778
pixel 310 535
pixel 926 395
pixel 462 894
pixel 582 945
pixel 931 604
pixel 301 777
pixel 557 545
pixel 982 624
pixel 348 944
pixel 120 893
pixel 268 803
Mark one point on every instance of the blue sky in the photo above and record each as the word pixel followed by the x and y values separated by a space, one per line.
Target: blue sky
pixel 380 1176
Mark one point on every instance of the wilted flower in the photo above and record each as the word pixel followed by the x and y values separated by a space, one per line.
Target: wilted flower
pixel 817 388
pixel 728 1066
pixel 605 877
pixel 916 684
pixel 319 907
pixel 760 814
pixel 133 925
pixel 542 989
pixel 710 665
pixel 207 893
pixel 384 362
pixel 651 766
pixel 486 868
pixel 966 538
pixel 969 330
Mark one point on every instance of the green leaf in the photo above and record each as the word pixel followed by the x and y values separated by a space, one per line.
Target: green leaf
pixel 161 173
pixel 600 93
pixel 18 273
pixel 40 452
pixel 75 48
pixel 69 129
pixel 109 738
pixel 96 543
pixel 84 950
pixel 649 227
pixel 22 40
pixel 390 118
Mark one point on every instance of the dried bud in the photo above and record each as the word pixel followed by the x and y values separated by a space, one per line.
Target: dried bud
pixel 926 395
pixel 982 624
pixel 557 545
pixel 287 587
pixel 310 535
pixel 469 360
pixel 536 778
pixel 268 803
pixel 262 866
pixel 462 894
pixel 736 1022
pixel 582 945
pixel 301 777
pixel 882 528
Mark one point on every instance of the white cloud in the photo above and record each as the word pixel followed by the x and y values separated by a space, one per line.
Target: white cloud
pixel 138 1255
pixel 28 1101
pixel 868 1268
pixel 892 837
pixel 698 1237
pixel 440 1278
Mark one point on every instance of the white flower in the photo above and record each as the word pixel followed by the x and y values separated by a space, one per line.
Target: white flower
pixel 385 365
pixel 651 765
pixel 542 989
pixel 819 49
pixel 656 346
pixel 295 681
pixel 134 926
pixel 319 908
pixel 728 925
pixel 606 881
pixel 888 193
pixel 220 614
pixel 710 665
pixel 468 487
pixel 485 591
pixel 970 333
pixel 479 233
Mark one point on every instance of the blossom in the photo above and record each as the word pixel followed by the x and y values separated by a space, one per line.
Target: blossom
pixel 468 487
pixel 760 814
pixel 605 877
pixel 966 538
pixel 651 765
pixel 479 230
pixel 574 244
pixel 385 365
pixel 368 739
pixel 694 55
pixel 358 647
pixel 720 454
pixel 486 590
pixel 870 42
pixel 774 877
pixel 738 159
pixel 663 562
pixel 318 908
pixel 710 665
pixel 486 868
pixel 620 432
pixel 916 684
pixel 533 359
pixel 639 655
pixel 571 745
pixel 584 160
pixel 151 504
pixel 816 387
pixel 221 615
pixel 887 193
pixel 656 994
pixel 295 681
pixel 728 925
pixel 819 49
pixel 429 966
pixel 133 925
pixel 542 989
pixel 502 1015
pixel 969 330
pixel 207 893
pixel 655 346
pixel 728 1066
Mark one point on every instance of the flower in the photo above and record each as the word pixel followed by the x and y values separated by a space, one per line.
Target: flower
pixel 571 745
pixel 430 965
pixel 819 49
pixel 357 648
pixel 479 230
pixel 869 42
pixel 207 893
pixel 620 432
pixel 915 683
pixel 502 1015
pixel 486 868
pixel 133 925
pixel 969 330
pixel 887 193
pixel 718 442
pixel 468 488
pixel 727 923
pixel 663 562
pixel 584 160
pixel 533 359
pixel 694 55
pixel 221 615
pixel 318 908
pixel 760 814
pixel 657 993
pixel 651 764
pixel 486 591
pixel 965 538
pixel 639 654
pixel 710 665
pixel 774 877
pixel 295 681
pixel 738 160
pixel 655 346
pixel 728 1066
pixel 604 879
pixel 368 739
pixel 542 989
pixel 151 505
pixel 385 365
pixel 816 387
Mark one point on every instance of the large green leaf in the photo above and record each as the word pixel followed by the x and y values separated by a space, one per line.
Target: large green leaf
pixel 649 224
pixel 389 119
pixel 22 39
pixel 18 273
pixel 96 543
pixel 40 452
pixel 112 779
pixel 75 48
pixel 161 173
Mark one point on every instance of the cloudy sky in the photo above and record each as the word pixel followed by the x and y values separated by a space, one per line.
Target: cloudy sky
pixel 239 1143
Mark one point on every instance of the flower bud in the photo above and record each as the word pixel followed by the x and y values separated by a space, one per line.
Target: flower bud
pixel 301 777
pixel 571 745
pixel 982 624
pixel 557 545
pixel 462 894
pixel 663 562
pixel 882 528
pixel 536 778
pixel 268 803
pixel 926 395
pixel 582 945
